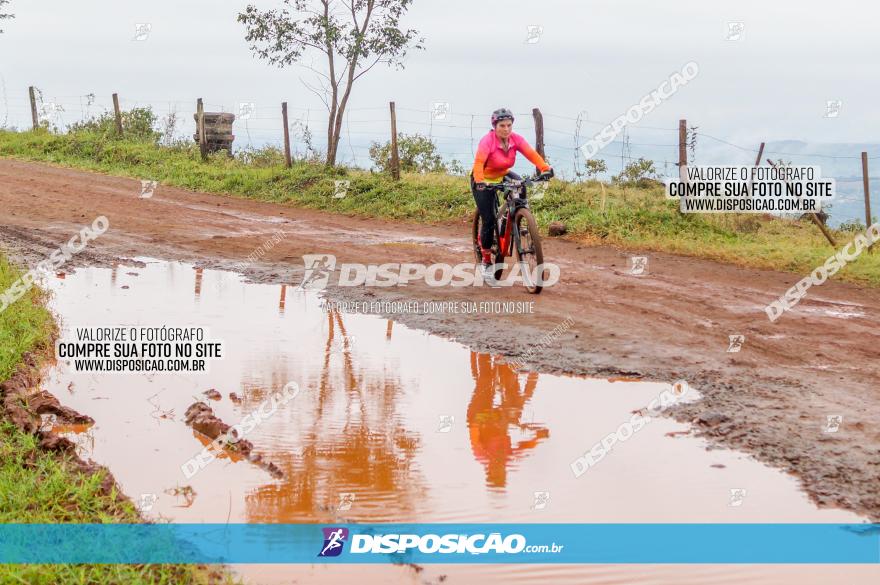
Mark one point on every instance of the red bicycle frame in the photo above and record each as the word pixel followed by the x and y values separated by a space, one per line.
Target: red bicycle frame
pixel 505 240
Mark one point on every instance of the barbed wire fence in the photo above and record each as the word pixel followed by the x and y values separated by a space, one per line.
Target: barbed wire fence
pixel 455 135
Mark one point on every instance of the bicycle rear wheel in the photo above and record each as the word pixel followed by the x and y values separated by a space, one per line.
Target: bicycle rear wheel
pixel 529 254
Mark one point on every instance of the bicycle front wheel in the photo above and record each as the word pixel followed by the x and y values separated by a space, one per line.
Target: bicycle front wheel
pixel 529 253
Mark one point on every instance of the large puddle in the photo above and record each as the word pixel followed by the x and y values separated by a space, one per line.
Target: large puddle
pixel 393 424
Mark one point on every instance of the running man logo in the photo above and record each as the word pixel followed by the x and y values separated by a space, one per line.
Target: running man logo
pixel 317 270
pixel 142 31
pixel 345 502
pixel 334 540
pixel 734 31
pixel 735 343
pixel 638 265
pixel 542 500
pixel 246 110
pixel 145 502
pixel 147 188
pixel 833 423
pixel 737 496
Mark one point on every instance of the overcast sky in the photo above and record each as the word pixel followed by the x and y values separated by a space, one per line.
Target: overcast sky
pixel 597 57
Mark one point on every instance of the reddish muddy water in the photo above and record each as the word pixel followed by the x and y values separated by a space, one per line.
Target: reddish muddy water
pixel 392 424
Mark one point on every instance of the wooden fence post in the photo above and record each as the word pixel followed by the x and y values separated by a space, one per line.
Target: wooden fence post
pixel 539 134
pixel 757 164
pixel 814 217
pixel 395 156
pixel 682 150
pixel 866 182
pixel 34 116
pixel 287 162
pixel 118 114
pixel 200 128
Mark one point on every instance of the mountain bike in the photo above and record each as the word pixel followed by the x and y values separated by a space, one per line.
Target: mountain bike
pixel 515 233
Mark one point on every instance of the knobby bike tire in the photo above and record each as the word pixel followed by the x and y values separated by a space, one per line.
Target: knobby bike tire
pixel 534 286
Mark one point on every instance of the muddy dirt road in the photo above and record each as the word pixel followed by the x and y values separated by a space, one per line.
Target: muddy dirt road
pixel 772 399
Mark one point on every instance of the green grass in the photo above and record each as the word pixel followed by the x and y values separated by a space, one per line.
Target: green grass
pixel 633 218
pixel 24 326
pixel 41 487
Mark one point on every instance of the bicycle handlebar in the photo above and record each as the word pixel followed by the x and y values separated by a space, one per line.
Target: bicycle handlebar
pixel 545 176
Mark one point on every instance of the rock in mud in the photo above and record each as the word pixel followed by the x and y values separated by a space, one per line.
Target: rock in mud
pixel 201 418
pixel 711 419
pixel 557 228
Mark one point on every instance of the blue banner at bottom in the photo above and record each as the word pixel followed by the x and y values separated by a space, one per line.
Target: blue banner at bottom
pixel 441 543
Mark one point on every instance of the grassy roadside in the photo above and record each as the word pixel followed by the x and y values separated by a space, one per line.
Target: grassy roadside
pixel 634 218
pixel 37 486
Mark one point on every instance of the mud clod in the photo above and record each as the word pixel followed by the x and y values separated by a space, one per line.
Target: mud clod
pixel 201 418
pixel 712 419
pixel 24 407
pixel 557 228
pixel 58 444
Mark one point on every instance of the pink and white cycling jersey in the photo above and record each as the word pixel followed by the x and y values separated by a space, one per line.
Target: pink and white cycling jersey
pixel 493 162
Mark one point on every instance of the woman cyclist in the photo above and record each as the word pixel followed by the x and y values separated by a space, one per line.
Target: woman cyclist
pixel 496 155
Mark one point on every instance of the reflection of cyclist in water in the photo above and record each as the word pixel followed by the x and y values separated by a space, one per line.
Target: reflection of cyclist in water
pixel 495 410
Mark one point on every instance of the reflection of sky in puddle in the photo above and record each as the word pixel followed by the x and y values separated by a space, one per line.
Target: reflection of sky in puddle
pixel 836 311
pixel 807 306
pixel 391 425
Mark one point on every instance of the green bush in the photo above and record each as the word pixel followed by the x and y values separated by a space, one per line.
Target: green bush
pixel 138 124
pixel 852 225
pixel 640 172
pixel 418 154
pixel 268 156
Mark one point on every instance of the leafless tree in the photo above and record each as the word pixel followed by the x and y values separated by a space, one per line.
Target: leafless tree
pixel 350 37
pixel 3 15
